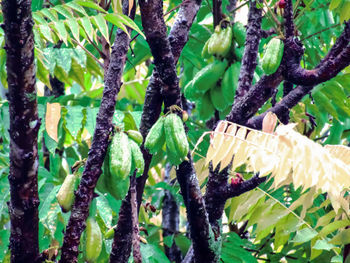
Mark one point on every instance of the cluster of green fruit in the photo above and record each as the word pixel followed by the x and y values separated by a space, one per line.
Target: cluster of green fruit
pixel 214 86
pixel 169 129
pixel 123 158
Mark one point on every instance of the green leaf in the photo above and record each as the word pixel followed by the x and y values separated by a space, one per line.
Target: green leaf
pixel 63 11
pixel 334 4
pixel 342 238
pixel 91 114
pixel 323 103
pixel 87 27
pixel 323 245
pixel 77 73
pixel 46 205
pixel 77 7
pixel 74 27
pixel 304 235
pixel 45 30
pixel 333 227
pixel 43 73
pixel 50 143
pixel 92 5
pixel 102 26
pixel 61 31
pixel 130 23
pixel 112 18
pixel 74 118
pixel 50 14
pixel 168 240
pixel 345 12
pixel 104 210
pixel 39 19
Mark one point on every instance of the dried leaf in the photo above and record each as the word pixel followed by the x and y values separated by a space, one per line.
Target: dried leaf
pixel 53 115
pixel 269 122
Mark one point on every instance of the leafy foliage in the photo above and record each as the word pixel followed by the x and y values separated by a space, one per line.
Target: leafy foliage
pixel 284 219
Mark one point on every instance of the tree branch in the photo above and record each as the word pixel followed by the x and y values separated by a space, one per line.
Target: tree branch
pixel 247 106
pixel 92 171
pixel 324 71
pixel 156 36
pixel 202 236
pixel 250 50
pixel 170 220
pixel 24 126
pixel 135 221
pixel 178 37
pixel 288 17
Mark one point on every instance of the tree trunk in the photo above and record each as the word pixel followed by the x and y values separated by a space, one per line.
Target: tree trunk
pixel 24 126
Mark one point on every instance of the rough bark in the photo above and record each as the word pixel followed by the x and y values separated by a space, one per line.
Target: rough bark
pixel 156 36
pixel 247 106
pixel 24 126
pixel 178 37
pixel 202 236
pixel 324 71
pixel 251 46
pixel 170 220
pixel 92 171
pixel 135 221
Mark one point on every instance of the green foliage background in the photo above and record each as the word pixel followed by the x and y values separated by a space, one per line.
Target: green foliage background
pixel 285 225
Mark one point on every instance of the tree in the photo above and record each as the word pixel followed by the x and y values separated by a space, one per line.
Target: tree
pixel 104 92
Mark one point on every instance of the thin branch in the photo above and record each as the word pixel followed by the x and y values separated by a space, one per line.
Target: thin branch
pixel 247 106
pixel 288 17
pixel 250 51
pixel 178 37
pixel 92 171
pixel 88 52
pixel 326 70
pixel 319 32
pixel 135 221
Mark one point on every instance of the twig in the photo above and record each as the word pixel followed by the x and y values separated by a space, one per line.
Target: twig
pixel 321 31
pixel 87 51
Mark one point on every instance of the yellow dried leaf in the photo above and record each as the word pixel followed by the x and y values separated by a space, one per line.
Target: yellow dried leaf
pixel 340 151
pixel 216 141
pixel 269 122
pixel 228 141
pixel 53 115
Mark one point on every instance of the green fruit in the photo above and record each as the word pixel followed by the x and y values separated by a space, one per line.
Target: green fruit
pixel 239 33
pixel 220 42
pixel 136 136
pixel 172 158
pixel 217 98
pixel 229 83
pixel 156 137
pixel 137 158
pixel 108 182
pixel 207 78
pixel 117 187
pixel 191 92
pixel 272 56
pixel 65 195
pixel 101 182
pixel 176 139
pixel 238 52
pixel 205 53
pixel 120 156
pixel 93 241
pixel 205 107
